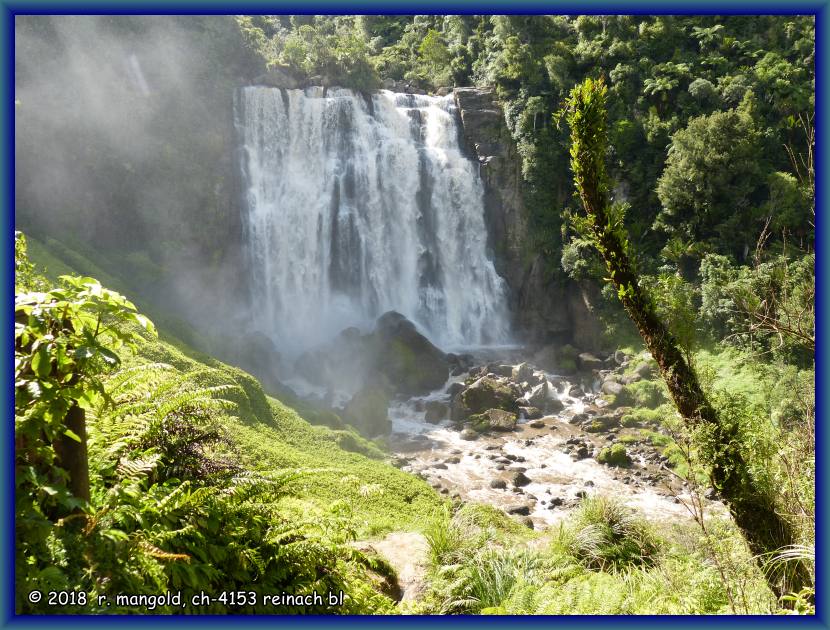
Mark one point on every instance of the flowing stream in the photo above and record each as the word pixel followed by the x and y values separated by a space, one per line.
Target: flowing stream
pixel 357 205
pixel 468 469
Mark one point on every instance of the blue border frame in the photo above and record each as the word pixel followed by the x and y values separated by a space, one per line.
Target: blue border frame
pixel 8 9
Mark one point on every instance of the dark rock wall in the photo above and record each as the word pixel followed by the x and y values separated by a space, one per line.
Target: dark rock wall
pixel 543 310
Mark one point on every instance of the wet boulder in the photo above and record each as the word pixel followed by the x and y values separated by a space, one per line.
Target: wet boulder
pixel 539 395
pixel 483 394
pixel 368 411
pixel 554 405
pixel 575 391
pixel 587 362
pixel 435 411
pixel 455 388
pixel 578 418
pixel 542 397
pixel 460 363
pixel 499 369
pixel 531 413
pixel 406 358
pixel 519 479
pixel 494 420
pixel 523 372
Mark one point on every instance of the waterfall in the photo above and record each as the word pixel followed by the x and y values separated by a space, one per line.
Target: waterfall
pixel 361 204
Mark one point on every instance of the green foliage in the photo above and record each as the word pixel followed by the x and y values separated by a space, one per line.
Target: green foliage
pixel 614 455
pixel 639 417
pixel 675 301
pixel 176 502
pixel 444 537
pixel 331 47
pixel 436 57
pixel 769 307
pixel 713 181
pixel 605 534
pixel 643 395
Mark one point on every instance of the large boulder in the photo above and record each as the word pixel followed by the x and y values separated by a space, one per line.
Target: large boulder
pixel 543 397
pixel 645 370
pixel 519 479
pixel 539 396
pixel 368 411
pixel 523 372
pixel 411 363
pixel 611 387
pixel 494 420
pixel 483 394
pixel 587 362
pixel 395 353
pixel 531 413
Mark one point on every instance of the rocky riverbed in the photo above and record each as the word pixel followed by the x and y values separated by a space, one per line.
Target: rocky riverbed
pixel 530 430
pixel 535 455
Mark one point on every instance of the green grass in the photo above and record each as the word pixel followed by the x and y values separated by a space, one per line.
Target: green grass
pixel 341 472
pixel 336 465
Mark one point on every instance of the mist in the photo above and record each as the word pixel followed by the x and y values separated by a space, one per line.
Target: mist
pixel 125 146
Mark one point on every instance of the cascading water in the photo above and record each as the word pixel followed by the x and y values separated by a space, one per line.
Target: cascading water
pixel 358 205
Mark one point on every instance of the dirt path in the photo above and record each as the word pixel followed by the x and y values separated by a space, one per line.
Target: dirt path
pixel 408 553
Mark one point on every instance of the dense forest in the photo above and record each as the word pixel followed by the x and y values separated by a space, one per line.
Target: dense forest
pixel 451 314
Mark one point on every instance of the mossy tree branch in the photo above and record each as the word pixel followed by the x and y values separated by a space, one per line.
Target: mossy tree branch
pixel 752 508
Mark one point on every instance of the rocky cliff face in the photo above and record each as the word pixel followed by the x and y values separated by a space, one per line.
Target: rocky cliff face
pixel 543 310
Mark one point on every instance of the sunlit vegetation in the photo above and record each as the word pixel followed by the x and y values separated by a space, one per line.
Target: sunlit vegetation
pixel 145 464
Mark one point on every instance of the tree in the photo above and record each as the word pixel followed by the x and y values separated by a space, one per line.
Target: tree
pixel 753 510
pixel 64 339
pixel 710 185
pixel 434 51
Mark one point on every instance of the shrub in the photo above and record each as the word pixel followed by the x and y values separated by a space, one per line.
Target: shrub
pixel 445 539
pixel 614 455
pixel 650 394
pixel 604 534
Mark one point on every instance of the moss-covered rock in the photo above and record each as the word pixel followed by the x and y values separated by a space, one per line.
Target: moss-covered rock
pixel 494 420
pixel 368 411
pixel 642 417
pixel 602 423
pixel 406 358
pixel 483 394
pixel 615 455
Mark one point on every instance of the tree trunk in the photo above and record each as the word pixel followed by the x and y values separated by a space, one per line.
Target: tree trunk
pixel 72 455
pixel 754 511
